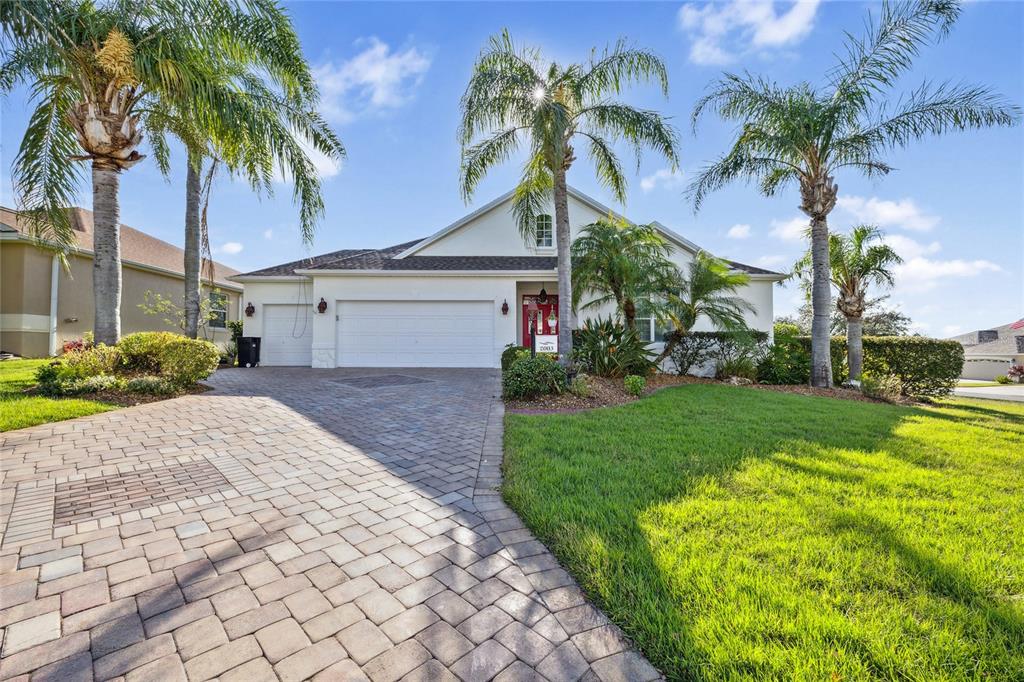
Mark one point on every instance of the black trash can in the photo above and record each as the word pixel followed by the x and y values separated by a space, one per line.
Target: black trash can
pixel 249 351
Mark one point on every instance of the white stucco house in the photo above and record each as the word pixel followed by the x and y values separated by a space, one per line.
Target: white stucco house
pixel 991 352
pixel 453 299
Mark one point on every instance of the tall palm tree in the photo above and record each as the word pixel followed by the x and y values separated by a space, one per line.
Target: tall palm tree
pixel 856 261
pixel 101 75
pixel 707 289
pixel 617 261
pixel 805 134
pixel 513 98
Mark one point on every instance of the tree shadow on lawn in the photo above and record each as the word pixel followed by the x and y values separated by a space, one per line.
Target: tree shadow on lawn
pixel 591 480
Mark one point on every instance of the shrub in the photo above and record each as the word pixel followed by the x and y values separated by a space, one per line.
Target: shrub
pixel 92 384
pixel 1016 373
pixel 885 387
pixel 580 386
pixel 1002 379
pixel 74 345
pixel 150 385
pixel 924 367
pixel 141 351
pixel 739 366
pixel 510 355
pixel 88 362
pixel 185 361
pixel 785 362
pixel 532 377
pixel 785 329
pixel 49 378
pixel 635 385
pixel 606 348
pixel 693 349
pixel 837 349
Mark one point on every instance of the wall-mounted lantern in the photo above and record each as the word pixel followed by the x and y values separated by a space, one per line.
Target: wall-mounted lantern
pixel 250 310
pixel 322 306
pixel 504 307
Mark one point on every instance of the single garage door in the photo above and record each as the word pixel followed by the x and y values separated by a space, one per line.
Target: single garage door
pixel 416 334
pixel 287 335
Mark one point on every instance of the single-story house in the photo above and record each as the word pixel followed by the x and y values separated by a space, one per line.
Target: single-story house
pixel 989 353
pixel 42 304
pixel 453 299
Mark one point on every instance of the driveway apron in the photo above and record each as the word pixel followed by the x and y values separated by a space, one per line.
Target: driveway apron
pixel 290 524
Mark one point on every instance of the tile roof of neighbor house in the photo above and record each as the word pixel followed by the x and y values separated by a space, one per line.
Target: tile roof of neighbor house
pixel 384 260
pixel 137 247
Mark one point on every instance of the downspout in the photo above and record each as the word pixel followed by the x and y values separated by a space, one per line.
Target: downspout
pixel 54 281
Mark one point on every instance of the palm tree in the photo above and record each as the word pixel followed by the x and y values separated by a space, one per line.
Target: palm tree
pixel 101 74
pixel 706 290
pixel 621 262
pixel 856 260
pixel 805 134
pixel 514 98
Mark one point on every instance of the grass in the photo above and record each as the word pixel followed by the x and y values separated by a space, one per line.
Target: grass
pixel 741 534
pixel 19 410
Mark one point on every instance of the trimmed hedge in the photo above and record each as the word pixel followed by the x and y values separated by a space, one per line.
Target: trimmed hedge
pixel 923 366
pixel 693 349
pixel 530 377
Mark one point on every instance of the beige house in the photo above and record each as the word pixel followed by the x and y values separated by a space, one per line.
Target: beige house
pixel 42 305
pixel 989 353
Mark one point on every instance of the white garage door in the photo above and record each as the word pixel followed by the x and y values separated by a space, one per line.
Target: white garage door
pixel 287 335
pixel 416 334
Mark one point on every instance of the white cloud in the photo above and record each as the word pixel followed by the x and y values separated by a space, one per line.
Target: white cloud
pixel 376 79
pixel 951 329
pixel 738 231
pixel 268 234
pixel 909 248
pixel 792 230
pixel 922 274
pixel 666 178
pixel 721 32
pixel 229 248
pixel 903 214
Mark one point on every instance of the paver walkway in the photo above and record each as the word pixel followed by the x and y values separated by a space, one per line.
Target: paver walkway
pixel 292 524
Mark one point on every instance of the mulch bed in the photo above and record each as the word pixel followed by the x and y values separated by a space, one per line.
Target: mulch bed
pixel 607 392
pixel 122 399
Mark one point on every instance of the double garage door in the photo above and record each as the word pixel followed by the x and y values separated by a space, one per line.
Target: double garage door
pixel 415 334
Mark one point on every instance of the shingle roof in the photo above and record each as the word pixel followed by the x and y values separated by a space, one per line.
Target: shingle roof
pixel 136 246
pixel 1006 342
pixel 750 269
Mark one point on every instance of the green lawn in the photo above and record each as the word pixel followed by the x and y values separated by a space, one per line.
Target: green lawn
pixel 743 534
pixel 18 410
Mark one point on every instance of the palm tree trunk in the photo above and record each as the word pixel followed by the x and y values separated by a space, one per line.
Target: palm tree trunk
pixel 563 242
pixel 106 260
pixel 193 254
pixel 629 313
pixel 855 346
pixel 821 304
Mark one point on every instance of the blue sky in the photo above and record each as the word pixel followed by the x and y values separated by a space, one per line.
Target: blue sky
pixel 392 75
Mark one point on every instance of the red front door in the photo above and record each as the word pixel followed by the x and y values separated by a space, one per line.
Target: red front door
pixel 542 316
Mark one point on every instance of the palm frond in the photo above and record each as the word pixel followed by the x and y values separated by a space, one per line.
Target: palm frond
pixel 619 66
pixel 480 157
pixel 532 194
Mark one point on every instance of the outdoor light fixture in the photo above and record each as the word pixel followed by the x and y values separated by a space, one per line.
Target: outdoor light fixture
pixel 543 297
pixel 504 307
pixel 250 310
pixel 322 306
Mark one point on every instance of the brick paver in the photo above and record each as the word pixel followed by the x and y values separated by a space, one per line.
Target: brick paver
pixel 291 524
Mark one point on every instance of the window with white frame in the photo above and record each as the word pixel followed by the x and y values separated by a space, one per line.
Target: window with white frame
pixel 544 234
pixel 650 330
pixel 218 310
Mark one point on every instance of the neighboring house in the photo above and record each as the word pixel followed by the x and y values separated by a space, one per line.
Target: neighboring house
pixel 989 353
pixel 453 299
pixel 42 304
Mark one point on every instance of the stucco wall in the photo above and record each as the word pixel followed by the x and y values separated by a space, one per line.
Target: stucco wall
pixel 25 300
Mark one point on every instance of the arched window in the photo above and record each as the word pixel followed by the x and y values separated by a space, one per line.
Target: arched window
pixel 544 234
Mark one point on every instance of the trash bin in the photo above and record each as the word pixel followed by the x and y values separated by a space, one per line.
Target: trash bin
pixel 249 351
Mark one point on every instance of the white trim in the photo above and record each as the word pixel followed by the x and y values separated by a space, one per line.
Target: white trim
pixel 270 278
pixel 544 275
pixel 54 282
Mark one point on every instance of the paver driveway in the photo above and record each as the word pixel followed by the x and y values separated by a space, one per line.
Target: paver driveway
pixel 291 524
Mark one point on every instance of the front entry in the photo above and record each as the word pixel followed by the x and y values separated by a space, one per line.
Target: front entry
pixel 545 316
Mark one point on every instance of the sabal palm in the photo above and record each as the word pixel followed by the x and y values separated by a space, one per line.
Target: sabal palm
pixel 617 261
pixel 805 134
pixel 705 289
pixel 856 261
pixel 513 98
